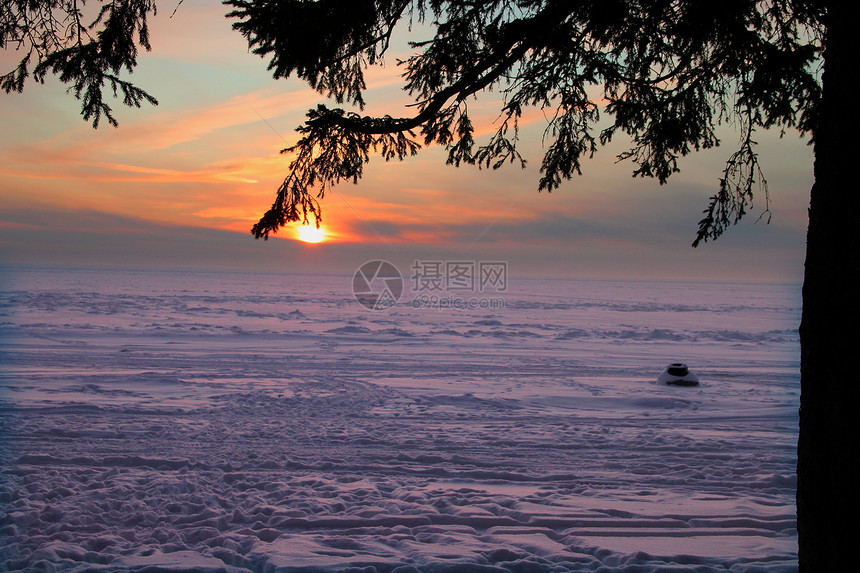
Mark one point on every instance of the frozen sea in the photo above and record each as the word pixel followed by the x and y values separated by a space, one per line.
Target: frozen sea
pixel 191 421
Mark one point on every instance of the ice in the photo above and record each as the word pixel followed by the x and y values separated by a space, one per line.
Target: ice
pixel 167 421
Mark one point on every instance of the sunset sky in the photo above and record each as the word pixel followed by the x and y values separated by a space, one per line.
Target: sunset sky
pixel 179 185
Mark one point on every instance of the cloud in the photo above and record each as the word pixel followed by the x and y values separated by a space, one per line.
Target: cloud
pixel 98 239
pixel 556 245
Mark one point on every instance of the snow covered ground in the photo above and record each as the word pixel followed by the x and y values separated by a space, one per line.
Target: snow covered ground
pixel 222 422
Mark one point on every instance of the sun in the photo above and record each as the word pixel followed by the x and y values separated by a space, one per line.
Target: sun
pixel 311 234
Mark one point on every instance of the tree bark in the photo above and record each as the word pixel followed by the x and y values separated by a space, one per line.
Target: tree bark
pixel 828 478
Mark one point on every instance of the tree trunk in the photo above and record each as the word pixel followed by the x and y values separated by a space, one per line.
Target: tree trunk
pixel 829 409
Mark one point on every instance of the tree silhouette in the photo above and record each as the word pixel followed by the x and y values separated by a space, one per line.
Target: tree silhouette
pixel 667 73
pixel 54 36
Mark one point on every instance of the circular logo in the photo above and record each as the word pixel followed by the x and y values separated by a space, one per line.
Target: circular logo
pixel 377 285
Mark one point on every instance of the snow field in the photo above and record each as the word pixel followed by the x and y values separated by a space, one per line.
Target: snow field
pixel 176 422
